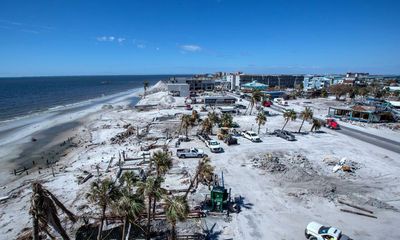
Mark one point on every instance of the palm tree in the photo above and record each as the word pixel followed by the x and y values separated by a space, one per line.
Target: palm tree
pixel 206 126
pixel 186 123
pixel 306 114
pixel 214 118
pixel 150 189
pixel 261 119
pixel 176 209
pixel 289 115
pixel 162 161
pixel 256 96
pixel 129 206
pixel 163 164
pixel 204 172
pixel 195 117
pixel 316 125
pixel 226 120
pixel 128 179
pixel 44 211
pixel 102 193
pixel 145 86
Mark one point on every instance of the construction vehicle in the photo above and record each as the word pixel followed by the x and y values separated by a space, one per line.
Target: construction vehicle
pixel 219 196
pixel 316 231
pixel 331 123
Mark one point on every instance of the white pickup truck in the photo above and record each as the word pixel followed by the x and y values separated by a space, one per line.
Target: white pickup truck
pixel 213 146
pixel 317 231
pixel 190 153
pixel 252 136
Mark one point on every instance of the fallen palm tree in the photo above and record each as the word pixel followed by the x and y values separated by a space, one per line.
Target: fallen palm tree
pixel 44 212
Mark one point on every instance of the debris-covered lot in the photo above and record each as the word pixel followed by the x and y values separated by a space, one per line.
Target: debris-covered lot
pixel 285 185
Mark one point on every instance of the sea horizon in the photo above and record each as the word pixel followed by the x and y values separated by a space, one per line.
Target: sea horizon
pixel 24 96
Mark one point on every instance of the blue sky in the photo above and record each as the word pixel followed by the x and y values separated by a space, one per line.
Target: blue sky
pixel 82 37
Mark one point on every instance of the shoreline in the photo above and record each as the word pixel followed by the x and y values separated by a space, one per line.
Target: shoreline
pixel 50 130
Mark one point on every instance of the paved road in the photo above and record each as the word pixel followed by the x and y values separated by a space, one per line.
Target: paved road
pixel 385 143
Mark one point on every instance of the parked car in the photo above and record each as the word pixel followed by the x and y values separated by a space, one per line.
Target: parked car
pixel 267 103
pixel 285 134
pixel 240 106
pixel 230 140
pixel 331 123
pixel 252 136
pixel 214 146
pixel 233 125
pixel 190 153
pixel 316 231
pixel 189 107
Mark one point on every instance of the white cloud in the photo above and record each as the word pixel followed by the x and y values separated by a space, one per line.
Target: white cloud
pixel 141 45
pixel 107 39
pixel 191 48
pixel 120 40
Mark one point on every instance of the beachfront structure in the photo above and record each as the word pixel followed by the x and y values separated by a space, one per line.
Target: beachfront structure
pixel 393 88
pixel 362 113
pixel 254 85
pixel 178 89
pixel 219 100
pixel 281 81
pixel 316 82
pixel 274 94
pixel 353 79
pixel 196 83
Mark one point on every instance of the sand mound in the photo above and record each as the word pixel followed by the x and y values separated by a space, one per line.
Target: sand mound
pixel 158 87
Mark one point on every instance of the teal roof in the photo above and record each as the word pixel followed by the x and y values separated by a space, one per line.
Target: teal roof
pixel 255 85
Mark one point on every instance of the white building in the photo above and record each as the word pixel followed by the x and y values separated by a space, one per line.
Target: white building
pixel 316 82
pixel 234 79
pixel 179 89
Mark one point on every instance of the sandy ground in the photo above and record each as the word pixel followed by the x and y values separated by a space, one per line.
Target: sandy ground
pixel 276 205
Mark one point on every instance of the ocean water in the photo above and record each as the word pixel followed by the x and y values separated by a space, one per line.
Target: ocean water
pixel 28 95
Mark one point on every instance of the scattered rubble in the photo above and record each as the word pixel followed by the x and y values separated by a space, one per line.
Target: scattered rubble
pixel 292 167
pixel 120 137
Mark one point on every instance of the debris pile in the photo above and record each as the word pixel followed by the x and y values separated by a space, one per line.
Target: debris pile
pixel 343 164
pixel 292 167
pixel 120 137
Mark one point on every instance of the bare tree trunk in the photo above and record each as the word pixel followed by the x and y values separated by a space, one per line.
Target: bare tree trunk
pixel 103 213
pixel 124 228
pixel 191 184
pixel 128 231
pixel 285 124
pixel 259 126
pixel 148 219
pixel 173 232
pixel 251 109
pixel 154 208
pixel 35 228
pixel 302 124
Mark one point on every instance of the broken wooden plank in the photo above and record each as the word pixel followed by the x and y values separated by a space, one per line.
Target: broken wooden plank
pixel 354 206
pixel 90 175
pixel 358 213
